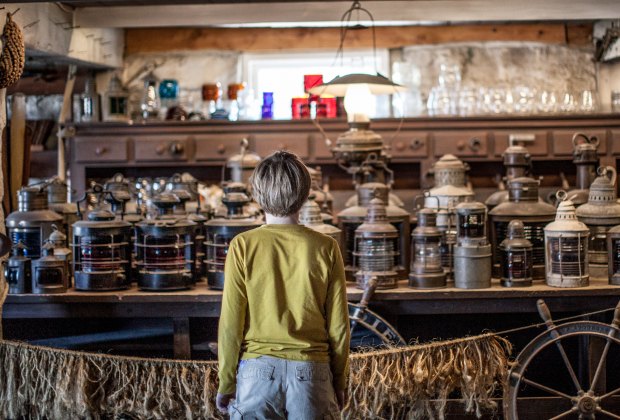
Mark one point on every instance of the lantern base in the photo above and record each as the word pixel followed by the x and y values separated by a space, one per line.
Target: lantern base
pixel 555 280
pixel 215 280
pixel 49 289
pixel 157 282
pixel 427 281
pixel 516 282
pixel 598 271
pixel 385 279
pixel 94 282
pixel 614 279
pixel 538 271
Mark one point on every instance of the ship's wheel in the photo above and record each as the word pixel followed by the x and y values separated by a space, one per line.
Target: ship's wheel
pixel 583 360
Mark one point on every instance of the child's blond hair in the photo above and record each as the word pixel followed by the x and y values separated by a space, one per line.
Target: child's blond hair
pixel 281 184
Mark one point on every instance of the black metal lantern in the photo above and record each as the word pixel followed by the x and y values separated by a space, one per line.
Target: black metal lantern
pixel 613 262
pixel 17 270
pixel 518 163
pixel 102 252
pixel 49 275
pixel 310 216
pixel 187 182
pixel 600 213
pixel 566 247
pixel 32 222
pixel 165 249
pixel 585 157
pixel 57 201
pixel 220 232
pixel 199 235
pixel 350 218
pixel 472 252
pixel 426 268
pixel 523 205
pixel 516 257
pixel 376 246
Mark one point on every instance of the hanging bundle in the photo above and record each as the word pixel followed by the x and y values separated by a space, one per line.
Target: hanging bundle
pixel 13 54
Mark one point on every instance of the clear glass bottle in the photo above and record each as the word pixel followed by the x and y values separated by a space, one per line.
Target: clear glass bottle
pixel 149 106
pixel 89 102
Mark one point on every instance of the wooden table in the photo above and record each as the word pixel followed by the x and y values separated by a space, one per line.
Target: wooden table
pixel 204 303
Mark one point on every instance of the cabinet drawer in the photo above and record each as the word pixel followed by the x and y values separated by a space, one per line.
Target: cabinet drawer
pixel 468 143
pixel 162 148
pixel 563 140
pixel 407 144
pixel 534 141
pixel 218 146
pixel 321 150
pixel 615 142
pixel 297 143
pixel 100 149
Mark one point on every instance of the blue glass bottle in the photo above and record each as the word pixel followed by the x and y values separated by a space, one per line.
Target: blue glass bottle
pixel 267 108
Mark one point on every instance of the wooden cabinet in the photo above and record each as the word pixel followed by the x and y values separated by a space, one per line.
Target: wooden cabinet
pixel 100 149
pixel 563 140
pixel 217 147
pixel 461 143
pixel 536 141
pixel 266 144
pixel 161 148
pixel 407 145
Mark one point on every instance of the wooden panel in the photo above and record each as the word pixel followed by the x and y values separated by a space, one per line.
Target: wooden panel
pixel 563 140
pixel 161 148
pixel 461 143
pixel 297 143
pixel 407 144
pixel 100 149
pixel 217 146
pixel 255 39
pixel 536 141
pixel 615 142
pixel 321 149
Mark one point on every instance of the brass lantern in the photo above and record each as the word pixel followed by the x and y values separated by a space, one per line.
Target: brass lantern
pixel 472 252
pixel 376 246
pixel 517 162
pixel 585 157
pixel 310 216
pixel 524 205
pixel 600 213
pixel 426 269
pixel 566 247
pixel 323 198
pixel 516 257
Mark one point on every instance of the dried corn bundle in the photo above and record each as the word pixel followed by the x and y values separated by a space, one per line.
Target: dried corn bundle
pixel 13 54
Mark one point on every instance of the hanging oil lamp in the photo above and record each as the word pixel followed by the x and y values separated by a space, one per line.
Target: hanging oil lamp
pixel 426 269
pixel 32 222
pixel 221 231
pixel 472 252
pixel 242 165
pixel 518 163
pixel 376 248
pixel 566 245
pixel 524 205
pixel 165 249
pixel 585 157
pixel 102 252
pixel 57 201
pixel 600 213
pixel 17 270
pixel 516 257
pixel 613 257
pixel 49 275
pixel 310 216
pixel 350 218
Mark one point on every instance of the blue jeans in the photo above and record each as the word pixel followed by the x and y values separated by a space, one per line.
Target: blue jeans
pixel 272 388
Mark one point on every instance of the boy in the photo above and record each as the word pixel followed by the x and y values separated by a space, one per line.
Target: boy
pixel 284 309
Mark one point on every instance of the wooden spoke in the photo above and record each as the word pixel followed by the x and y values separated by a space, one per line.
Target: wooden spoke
pixel 609 394
pixel 599 367
pixel 545 388
pixel 608 414
pixel 564 414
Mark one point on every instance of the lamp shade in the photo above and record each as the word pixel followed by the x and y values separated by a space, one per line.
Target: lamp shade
pixel 378 85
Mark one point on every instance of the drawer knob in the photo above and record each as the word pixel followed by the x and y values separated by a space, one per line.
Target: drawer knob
pixel 460 145
pixel 475 144
pixel 160 149
pixel 221 149
pixel 176 148
pixel 416 144
pixel 400 146
pixel 100 150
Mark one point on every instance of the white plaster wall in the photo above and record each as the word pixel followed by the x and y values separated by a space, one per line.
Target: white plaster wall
pixel 608 80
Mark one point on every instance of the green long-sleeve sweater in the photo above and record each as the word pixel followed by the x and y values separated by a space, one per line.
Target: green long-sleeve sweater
pixel 284 296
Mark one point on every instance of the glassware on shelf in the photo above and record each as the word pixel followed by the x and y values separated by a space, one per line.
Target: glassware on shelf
pixel 567 102
pixel 468 102
pixel 211 94
pixel 523 100
pixel 89 102
pixel 267 107
pixel 233 98
pixel 547 102
pixel 149 106
pixel 587 101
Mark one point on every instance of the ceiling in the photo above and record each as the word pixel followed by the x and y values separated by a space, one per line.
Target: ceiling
pixel 248 13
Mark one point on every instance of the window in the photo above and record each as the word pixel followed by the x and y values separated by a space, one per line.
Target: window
pixel 283 74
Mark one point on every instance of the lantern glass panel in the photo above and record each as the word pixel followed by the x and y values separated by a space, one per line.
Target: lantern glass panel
pixel 516 264
pixel 30 237
pixel 217 250
pixel 567 255
pixel 49 276
pixel 471 225
pixel 101 253
pixel 597 245
pixel 164 252
pixel 427 253
pixel 348 230
pixel 534 232
pixel 375 254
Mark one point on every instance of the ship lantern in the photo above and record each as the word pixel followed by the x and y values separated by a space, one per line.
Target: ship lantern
pixel 350 218
pixel 426 269
pixel 518 163
pixel 516 256
pixel 219 232
pixel 101 252
pixel 165 257
pixel 566 247
pixel 49 275
pixel 32 222
pixel 600 213
pixel 323 198
pixel 585 158
pixel 523 205
pixel 310 216
pixel 376 246
pixel 472 252
pixel 18 270
pixel 57 201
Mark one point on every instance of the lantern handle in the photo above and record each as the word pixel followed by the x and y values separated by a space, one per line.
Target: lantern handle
pixel 608 171
pixel 561 195
pixel 426 194
pixel 594 140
